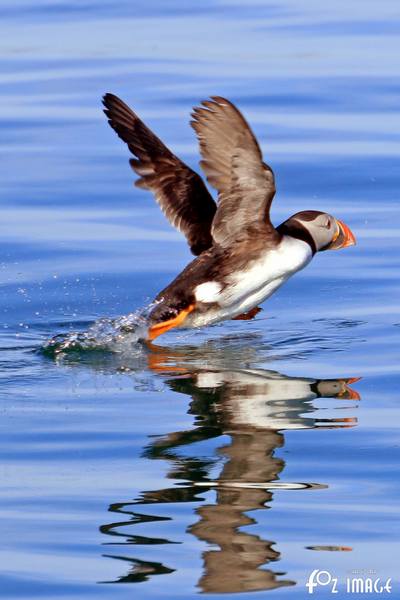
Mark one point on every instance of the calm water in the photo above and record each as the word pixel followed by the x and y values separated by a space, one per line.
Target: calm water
pixel 235 458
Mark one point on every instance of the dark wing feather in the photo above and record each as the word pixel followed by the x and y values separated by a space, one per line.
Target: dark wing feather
pixel 179 191
pixel 232 162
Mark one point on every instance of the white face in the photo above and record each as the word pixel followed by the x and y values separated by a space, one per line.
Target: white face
pixel 322 227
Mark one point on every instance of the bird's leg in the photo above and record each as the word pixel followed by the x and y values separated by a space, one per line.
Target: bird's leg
pixel 250 314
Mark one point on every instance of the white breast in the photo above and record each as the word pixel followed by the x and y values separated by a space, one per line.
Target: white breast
pixel 255 283
pixel 265 275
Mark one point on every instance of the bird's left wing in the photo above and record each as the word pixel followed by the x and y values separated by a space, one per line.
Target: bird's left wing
pixel 232 162
pixel 179 191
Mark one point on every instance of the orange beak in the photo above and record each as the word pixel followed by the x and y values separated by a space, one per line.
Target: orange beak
pixel 343 237
pixel 347 391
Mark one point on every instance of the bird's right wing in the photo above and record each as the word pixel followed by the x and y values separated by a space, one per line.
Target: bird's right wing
pixel 179 191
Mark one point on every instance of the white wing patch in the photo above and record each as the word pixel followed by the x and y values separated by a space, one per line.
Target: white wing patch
pixel 208 292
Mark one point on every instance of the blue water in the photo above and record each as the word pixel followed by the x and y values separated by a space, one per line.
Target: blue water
pixel 234 458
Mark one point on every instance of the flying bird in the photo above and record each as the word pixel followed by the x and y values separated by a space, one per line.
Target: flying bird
pixel 241 258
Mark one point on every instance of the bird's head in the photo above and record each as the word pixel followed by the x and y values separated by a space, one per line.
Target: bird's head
pixel 337 388
pixel 320 229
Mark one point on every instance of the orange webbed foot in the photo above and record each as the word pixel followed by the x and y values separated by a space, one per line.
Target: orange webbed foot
pixel 160 328
pixel 250 314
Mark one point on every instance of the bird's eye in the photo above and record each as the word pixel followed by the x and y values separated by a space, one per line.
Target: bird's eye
pixel 328 224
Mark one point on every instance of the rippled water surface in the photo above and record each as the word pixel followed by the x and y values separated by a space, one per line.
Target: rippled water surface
pixel 230 459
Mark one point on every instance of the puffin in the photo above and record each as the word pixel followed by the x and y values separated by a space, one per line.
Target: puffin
pixel 241 258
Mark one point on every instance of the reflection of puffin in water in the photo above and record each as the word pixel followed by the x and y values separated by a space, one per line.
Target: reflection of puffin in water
pixel 249 405
pixel 263 399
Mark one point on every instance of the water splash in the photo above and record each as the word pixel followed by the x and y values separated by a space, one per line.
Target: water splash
pixel 121 334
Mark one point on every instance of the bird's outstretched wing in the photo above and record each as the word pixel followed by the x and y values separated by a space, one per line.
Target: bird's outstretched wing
pixel 179 191
pixel 232 162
